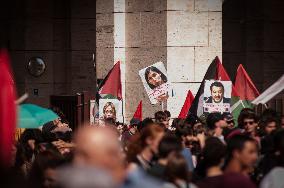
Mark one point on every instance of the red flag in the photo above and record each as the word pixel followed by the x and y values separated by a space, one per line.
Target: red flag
pixel 138 113
pixel 111 85
pixel 245 86
pixel 7 109
pixel 186 106
pixel 223 75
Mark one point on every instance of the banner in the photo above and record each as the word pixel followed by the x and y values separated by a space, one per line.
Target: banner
pixel 110 109
pixel 217 96
pixel 155 81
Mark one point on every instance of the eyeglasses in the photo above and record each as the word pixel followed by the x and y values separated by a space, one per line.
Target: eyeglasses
pixel 248 122
pixel 229 122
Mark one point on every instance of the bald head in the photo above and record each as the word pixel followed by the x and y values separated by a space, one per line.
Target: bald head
pixel 99 147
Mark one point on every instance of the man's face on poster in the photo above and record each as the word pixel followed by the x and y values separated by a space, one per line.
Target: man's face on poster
pixel 217 94
pixel 109 113
pixel 155 78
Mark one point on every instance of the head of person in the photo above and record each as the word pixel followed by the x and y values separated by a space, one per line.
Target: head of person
pixel 177 168
pixel 247 120
pixel 154 77
pixel 43 171
pixel 243 150
pixel 161 117
pixel 268 125
pixel 215 123
pixel 53 131
pixel 27 145
pixel 99 147
pixel 145 123
pixel 168 113
pixel 109 111
pixel 217 91
pixel 229 120
pixel 269 121
pixel 169 143
pixel 134 124
pixel 147 139
pixel 213 153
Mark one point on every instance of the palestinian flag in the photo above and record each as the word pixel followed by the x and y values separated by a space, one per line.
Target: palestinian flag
pixel 186 106
pixel 110 87
pixel 247 92
pixel 215 71
pixel 138 112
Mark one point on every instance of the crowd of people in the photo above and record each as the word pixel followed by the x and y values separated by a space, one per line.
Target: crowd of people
pixel 215 152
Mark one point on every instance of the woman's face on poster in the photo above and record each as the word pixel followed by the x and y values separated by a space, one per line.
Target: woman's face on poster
pixel 155 78
pixel 109 113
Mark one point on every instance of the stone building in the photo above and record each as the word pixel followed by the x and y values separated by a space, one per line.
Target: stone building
pixel 184 34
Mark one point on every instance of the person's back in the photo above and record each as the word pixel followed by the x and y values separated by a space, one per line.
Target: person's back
pixel 232 180
pixel 274 179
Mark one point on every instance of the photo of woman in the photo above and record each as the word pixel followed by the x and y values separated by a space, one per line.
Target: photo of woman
pixel 155 81
pixel 154 77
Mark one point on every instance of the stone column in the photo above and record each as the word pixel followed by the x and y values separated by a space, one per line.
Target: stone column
pixel 194 38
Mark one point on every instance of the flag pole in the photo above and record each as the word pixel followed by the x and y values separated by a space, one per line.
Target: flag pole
pixel 122 111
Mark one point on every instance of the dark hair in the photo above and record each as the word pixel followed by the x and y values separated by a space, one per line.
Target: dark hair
pixel 177 122
pixel 168 113
pixel 44 160
pixel 236 143
pixel 177 168
pixel 168 144
pixel 146 122
pixel 192 119
pixel 182 131
pixel 246 113
pixel 279 142
pixel 213 152
pixel 216 84
pixel 154 69
pixel 24 152
pixel 213 118
pixel 160 116
pixel 267 117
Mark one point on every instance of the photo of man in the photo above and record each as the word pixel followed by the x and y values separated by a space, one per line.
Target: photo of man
pixel 217 94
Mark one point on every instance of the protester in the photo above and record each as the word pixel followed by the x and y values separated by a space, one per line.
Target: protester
pixel 43 171
pixel 154 154
pixel 213 156
pixel 248 120
pixel 144 147
pixel 177 172
pixel 215 124
pixel 169 143
pixel 242 155
pixel 162 119
pixel 26 149
pixel 132 130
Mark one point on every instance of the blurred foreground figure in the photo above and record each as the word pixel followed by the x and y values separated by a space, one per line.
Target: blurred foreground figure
pixel 98 160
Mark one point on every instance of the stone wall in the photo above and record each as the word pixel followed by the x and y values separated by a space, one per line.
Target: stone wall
pixel 62 33
pixel 253 35
pixel 194 39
